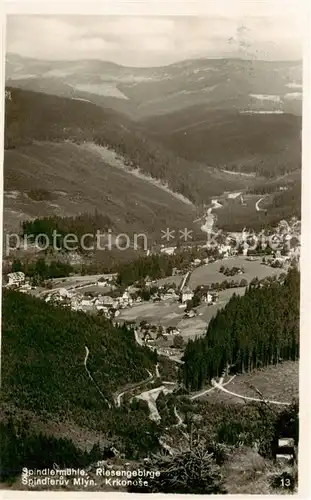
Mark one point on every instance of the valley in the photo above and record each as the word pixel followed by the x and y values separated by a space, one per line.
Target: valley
pixel 122 355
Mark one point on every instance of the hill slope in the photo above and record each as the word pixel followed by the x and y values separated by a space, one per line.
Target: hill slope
pixel 44 357
pixel 77 179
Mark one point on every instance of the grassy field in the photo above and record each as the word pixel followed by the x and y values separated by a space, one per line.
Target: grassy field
pixel 168 313
pixel 277 383
pixel 208 274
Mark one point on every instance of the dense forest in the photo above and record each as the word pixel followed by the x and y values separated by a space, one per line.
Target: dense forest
pixel 254 330
pixel 43 360
pixel 21 447
pixel 56 228
pixel 264 145
pixel 154 267
pixel 40 270
pixel 131 269
pixel 158 265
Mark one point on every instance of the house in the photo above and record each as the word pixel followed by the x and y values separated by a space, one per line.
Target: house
pixel 208 298
pixel 147 337
pixel 86 302
pixel 187 294
pixel 110 277
pixel 172 330
pixel 16 279
pixel 168 250
pixel 148 281
pixel 169 294
pixel 63 293
pixel 100 307
pixel 126 296
pixel 102 283
pixel 107 301
pixel 190 314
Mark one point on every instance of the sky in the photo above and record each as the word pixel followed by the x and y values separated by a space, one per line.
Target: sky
pixel 154 41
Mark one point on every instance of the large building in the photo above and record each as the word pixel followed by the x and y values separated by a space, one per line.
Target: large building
pixel 15 279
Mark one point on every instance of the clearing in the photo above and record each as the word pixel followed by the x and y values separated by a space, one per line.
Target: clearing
pixel 275 382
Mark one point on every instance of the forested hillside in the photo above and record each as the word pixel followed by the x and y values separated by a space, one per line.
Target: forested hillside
pixel 43 360
pixel 251 331
pixel 265 144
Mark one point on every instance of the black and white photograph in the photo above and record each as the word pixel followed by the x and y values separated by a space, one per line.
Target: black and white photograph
pixel 151 253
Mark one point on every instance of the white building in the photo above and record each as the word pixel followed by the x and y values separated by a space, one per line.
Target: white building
pixel 208 298
pixel 168 250
pixel 16 279
pixel 187 294
pixel 87 302
pixel 169 294
pixel 126 296
pixel 102 283
pixel 63 293
pixel 225 250
pixel 107 301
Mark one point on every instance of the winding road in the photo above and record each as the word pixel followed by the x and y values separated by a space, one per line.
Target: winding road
pixel 184 281
pixel 119 396
pixel 257 205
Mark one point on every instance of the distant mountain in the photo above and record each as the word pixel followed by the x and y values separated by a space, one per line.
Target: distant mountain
pixel 215 83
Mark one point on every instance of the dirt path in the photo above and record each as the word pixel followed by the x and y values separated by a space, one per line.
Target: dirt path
pixel 87 352
pixel 180 420
pixel 257 205
pixel 206 391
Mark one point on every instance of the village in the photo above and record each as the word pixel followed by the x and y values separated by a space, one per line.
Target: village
pixel 168 311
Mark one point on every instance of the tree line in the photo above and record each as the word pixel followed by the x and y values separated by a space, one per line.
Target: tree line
pixel 254 330
pixel 80 225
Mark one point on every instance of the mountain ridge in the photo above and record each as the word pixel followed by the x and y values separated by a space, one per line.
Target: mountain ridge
pixel 149 91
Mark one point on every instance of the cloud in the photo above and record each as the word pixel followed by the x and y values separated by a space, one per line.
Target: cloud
pixel 149 41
